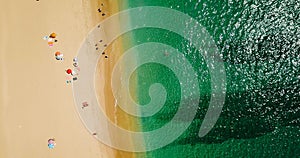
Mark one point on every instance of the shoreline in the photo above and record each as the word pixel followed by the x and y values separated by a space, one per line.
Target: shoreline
pixel 104 68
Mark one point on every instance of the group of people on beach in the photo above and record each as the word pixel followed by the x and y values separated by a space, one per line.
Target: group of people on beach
pixel 51 39
pixel 72 74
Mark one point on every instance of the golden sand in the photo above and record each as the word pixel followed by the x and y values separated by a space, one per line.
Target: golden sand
pixel 35 102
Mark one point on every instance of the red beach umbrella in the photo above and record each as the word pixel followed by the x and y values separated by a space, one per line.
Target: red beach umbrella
pixel 69 71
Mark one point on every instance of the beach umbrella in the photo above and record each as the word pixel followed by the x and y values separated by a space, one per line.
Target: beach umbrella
pixel 51 143
pixel 59 56
pixel 50 44
pixel 57 53
pixel 52 35
pixel 69 71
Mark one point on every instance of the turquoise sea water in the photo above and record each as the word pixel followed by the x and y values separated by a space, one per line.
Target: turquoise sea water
pixel 260 44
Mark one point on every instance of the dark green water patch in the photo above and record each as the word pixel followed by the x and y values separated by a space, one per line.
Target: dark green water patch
pixel 259 41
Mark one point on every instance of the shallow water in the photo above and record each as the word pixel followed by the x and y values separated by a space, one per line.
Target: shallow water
pixel 259 42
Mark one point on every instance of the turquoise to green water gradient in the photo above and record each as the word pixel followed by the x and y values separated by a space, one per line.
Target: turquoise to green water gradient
pixel 260 44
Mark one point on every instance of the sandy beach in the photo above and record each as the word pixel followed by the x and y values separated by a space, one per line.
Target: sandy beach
pixel 35 102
